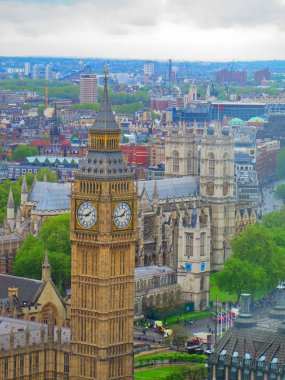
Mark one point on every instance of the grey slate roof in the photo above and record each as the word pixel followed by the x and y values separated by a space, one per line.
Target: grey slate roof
pixel 51 196
pixel 20 326
pixel 102 165
pixel 27 288
pixel 171 187
pixel 256 342
pixel 143 272
pixel 56 196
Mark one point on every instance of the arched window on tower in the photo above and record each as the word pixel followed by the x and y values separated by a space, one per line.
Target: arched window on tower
pixel 175 162
pixel 211 159
pixel 225 165
pixel 189 163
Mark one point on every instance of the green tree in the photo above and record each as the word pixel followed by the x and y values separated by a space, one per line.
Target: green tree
pixel 55 234
pixel 256 246
pixel 257 263
pixel 29 259
pixel 280 192
pixel 274 219
pixel 60 270
pixel 41 109
pixel 241 277
pixel 23 151
pixel 280 167
pixel 48 173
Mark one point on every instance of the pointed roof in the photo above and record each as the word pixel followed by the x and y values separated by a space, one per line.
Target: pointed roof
pixel 10 203
pixel 167 206
pixel 155 192
pixel 24 188
pixel 105 118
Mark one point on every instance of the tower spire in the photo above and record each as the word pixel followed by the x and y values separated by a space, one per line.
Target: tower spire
pixel 24 188
pixel 10 203
pixel 46 270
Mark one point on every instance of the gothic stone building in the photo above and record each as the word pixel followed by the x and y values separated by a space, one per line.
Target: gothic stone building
pixel 185 221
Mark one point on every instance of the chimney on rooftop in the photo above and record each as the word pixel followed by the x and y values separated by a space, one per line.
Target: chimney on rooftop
pixel 13 291
pixel 278 310
pixel 245 318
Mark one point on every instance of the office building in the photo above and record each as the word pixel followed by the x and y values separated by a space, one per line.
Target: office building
pixel 88 88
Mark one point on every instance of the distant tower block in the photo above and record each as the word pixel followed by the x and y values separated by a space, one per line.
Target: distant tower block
pixel 88 88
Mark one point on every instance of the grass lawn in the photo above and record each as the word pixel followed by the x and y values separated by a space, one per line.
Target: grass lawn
pixel 155 373
pixel 183 317
pixel 215 292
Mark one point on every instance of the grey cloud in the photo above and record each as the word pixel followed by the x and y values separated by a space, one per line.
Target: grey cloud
pixel 226 13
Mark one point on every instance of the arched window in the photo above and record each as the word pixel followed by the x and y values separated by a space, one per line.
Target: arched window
pixel 202 280
pixel 225 165
pixel 175 162
pixel 49 311
pixel 189 163
pixel 211 159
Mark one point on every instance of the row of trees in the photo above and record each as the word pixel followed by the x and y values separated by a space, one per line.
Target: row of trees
pixel 55 237
pixel 194 372
pixel 173 357
pixel 258 259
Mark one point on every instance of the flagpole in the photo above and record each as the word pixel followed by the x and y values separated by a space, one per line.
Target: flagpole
pixel 218 114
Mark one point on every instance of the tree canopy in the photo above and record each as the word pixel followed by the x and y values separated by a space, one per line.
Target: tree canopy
pixel 54 236
pixel 23 151
pixel 280 167
pixel 280 192
pixel 48 173
pixel 258 259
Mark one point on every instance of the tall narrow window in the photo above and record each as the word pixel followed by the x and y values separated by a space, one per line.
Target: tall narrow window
pixel 66 363
pixel 225 165
pixel 211 158
pixel 189 244
pixel 203 244
pixel 21 365
pixel 189 164
pixel 175 162
pixel 5 368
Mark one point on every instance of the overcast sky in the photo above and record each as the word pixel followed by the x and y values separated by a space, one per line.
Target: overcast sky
pixel 155 29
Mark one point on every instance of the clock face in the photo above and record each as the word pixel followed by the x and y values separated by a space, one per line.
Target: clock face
pixel 122 215
pixel 86 215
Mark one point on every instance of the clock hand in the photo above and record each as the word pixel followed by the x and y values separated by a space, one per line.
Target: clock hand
pixel 122 214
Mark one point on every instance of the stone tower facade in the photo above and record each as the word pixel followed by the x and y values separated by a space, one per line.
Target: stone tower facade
pixel 11 211
pixel 217 189
pixel 103 235
pixel 193 272
pixel 191 96
pixel 181 152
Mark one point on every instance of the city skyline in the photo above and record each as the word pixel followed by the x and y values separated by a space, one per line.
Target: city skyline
pixel 210 31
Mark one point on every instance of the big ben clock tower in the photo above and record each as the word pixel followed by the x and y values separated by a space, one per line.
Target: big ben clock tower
pixel 103 235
